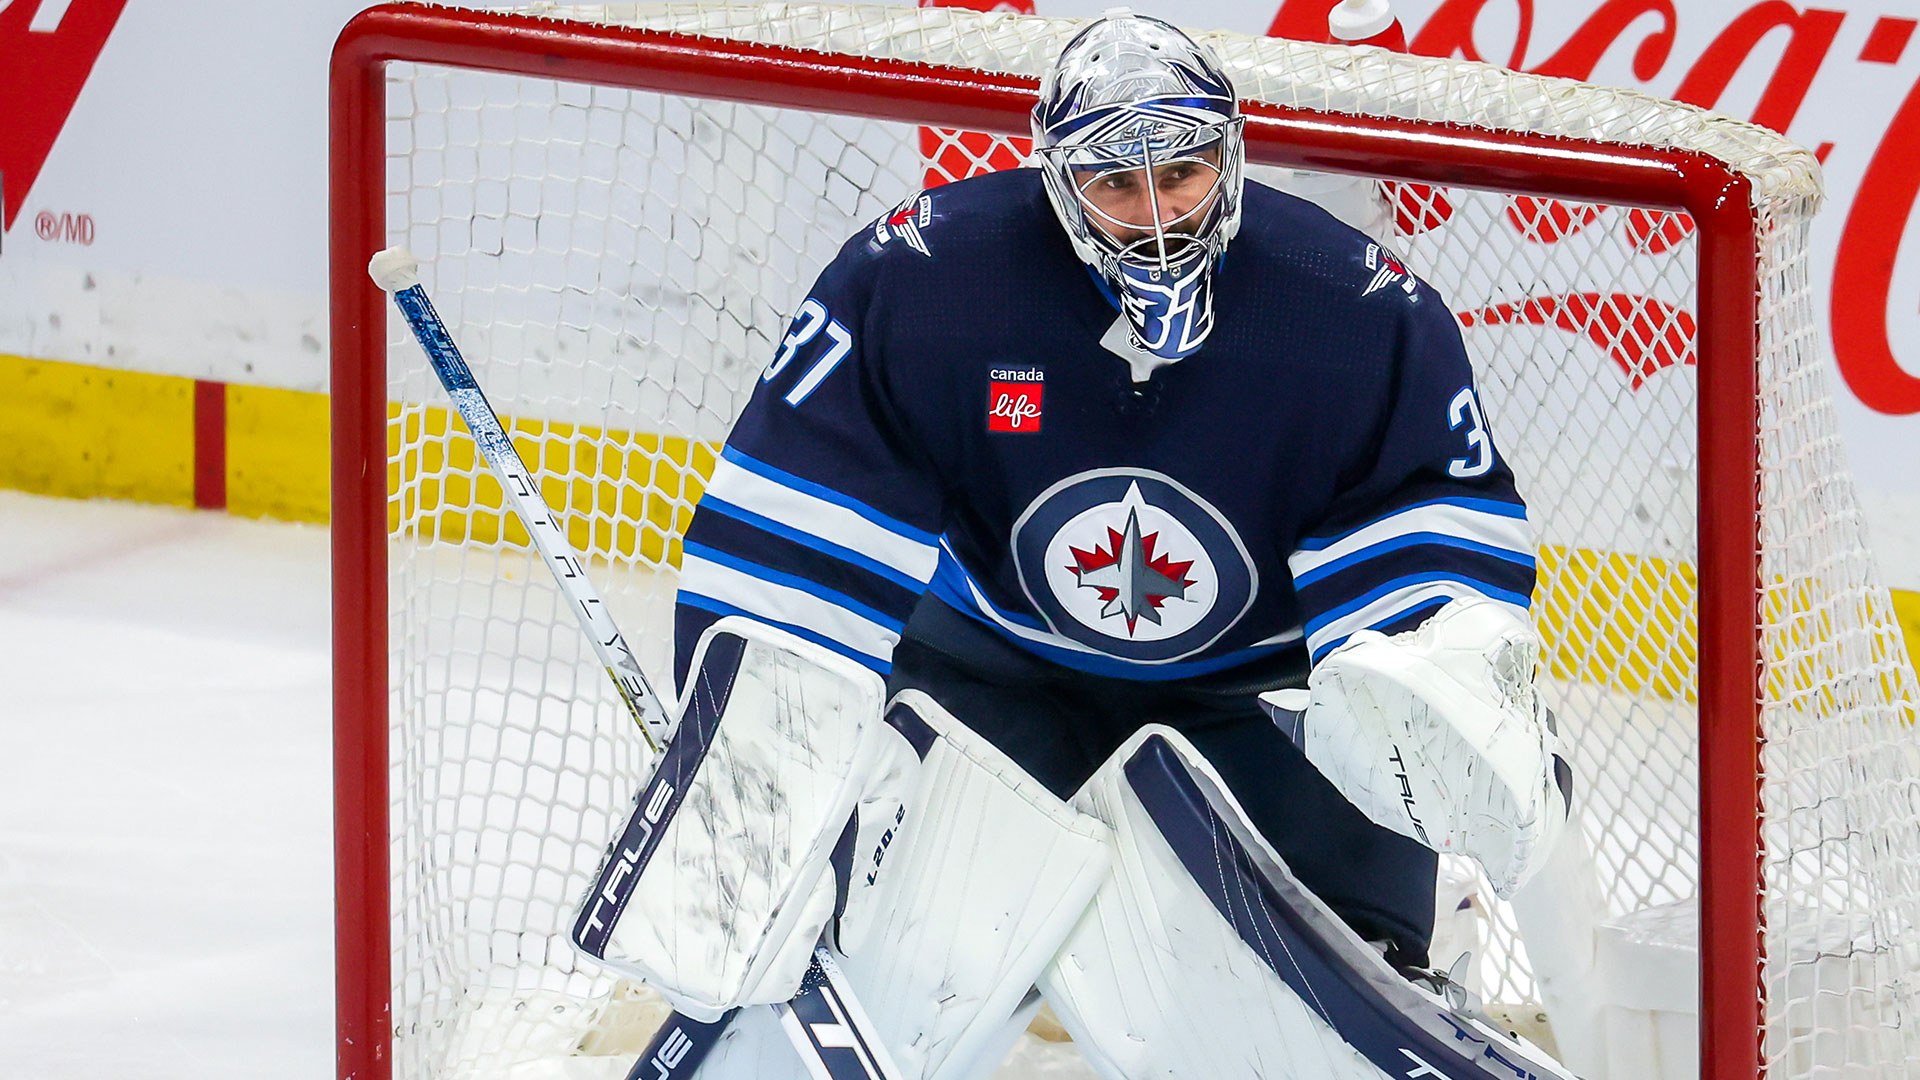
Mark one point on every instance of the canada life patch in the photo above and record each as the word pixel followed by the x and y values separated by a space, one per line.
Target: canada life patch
pixel 1015 397
pixel 1133 564
pixel 1387 270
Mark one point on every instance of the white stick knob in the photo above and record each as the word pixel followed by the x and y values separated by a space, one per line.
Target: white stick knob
pixel 394 269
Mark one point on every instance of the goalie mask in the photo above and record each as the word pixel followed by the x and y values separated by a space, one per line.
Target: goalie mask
pixel 1137 134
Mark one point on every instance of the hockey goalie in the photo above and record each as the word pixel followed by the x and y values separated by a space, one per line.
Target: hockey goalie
pixel 1112 595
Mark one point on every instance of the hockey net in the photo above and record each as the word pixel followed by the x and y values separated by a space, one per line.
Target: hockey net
pixel 617 224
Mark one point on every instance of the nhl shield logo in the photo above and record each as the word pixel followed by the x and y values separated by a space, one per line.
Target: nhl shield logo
pixel 1131 563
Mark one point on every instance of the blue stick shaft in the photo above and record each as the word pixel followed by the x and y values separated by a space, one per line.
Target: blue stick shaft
pixel 523 493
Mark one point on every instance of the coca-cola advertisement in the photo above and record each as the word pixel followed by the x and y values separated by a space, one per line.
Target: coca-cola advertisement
pixel 1841 82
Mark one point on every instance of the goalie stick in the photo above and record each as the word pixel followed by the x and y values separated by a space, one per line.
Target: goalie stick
pixel 397 272
pixel 826 1025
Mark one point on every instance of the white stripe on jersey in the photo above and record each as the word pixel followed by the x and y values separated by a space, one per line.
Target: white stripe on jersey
pixel 786 604
pixel 1395 603
pixel 1280 638
pixel 815 516
pixel 1448 519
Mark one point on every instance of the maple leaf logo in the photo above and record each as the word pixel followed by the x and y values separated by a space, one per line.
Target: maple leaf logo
pixel 1131 579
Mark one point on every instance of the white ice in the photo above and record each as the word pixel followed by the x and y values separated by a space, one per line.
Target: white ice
pixel 166 895
pixel 165 801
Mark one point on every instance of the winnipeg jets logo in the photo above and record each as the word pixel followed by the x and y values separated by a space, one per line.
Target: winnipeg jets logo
pixel 1387 270
pixel 1133 564
pixel 1131 580
pixel 906 221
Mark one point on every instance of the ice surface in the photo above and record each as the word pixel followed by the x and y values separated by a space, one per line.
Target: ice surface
pixel 166 903
pixel 165 803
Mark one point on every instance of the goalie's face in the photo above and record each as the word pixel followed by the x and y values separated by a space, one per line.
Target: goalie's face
pixel 1152 214
pixel 1137 136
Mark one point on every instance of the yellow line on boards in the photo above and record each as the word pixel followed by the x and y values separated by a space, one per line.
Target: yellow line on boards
pixel 89 432
pixel 277 454
pixel 1624 622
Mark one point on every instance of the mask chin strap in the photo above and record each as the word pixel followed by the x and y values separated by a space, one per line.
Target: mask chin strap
pixel 1170 311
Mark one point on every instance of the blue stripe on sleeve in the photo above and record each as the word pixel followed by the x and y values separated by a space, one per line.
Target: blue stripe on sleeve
pixel 1484 506
pixel 1384 547
pixel 1328 593
pixel 1316 622
pixel 749 542
pixel 795 581
pixel 827 494
pixel 806 539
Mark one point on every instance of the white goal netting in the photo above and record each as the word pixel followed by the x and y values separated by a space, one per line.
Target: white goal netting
pixel 617 266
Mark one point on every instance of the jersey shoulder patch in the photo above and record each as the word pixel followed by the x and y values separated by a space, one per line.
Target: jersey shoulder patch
pixel 906 224
pixel 1386 271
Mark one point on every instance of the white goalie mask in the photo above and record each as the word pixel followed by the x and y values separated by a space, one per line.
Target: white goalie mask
pixel 1137 134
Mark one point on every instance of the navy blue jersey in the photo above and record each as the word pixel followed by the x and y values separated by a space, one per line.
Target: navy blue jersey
pixel 943 415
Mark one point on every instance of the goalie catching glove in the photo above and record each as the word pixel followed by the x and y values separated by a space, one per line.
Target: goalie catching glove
pixel 1438 734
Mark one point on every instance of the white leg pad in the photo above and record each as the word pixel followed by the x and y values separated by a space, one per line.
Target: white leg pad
pixel 1202 957
pixel 718 887
pixel 1153 982
pixel 951 920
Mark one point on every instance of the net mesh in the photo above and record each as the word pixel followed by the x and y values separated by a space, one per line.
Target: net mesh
pixel 617 266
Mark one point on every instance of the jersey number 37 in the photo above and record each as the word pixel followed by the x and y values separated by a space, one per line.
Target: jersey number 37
pixel 1464 411
pixel 807 325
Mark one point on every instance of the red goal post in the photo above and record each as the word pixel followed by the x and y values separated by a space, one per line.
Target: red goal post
pixel 1723 198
